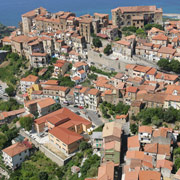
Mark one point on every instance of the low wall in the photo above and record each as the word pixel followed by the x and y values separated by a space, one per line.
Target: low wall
pixel 118 65
pixel 47 152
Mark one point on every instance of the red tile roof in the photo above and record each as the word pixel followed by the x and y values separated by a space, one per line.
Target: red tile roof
pixel 16 148
pixel 66 136
pixel 149 175
pixel 145 129
pixel 30 78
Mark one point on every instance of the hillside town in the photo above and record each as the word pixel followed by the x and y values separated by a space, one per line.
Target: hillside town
pixel 98 97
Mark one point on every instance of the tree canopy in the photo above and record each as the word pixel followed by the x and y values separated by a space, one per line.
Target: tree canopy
pixel 168 65
pixel 108 50
pixel 97 42
pixel 26 122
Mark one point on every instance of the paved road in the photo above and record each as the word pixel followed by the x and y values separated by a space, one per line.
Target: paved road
pixel 88 114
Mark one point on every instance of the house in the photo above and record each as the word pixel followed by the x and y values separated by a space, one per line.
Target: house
pixel 153 100
pixel 166 78
pixel 160 39
pixel 7 117
pixel 131 93
pixel 136 107
pixel 57 93
pixel 106 171
pixel 92 99
pixel 112 152
pixel 39 60
pixel 40 107
pixel 122 47
pixel 111 96
pixel 172 101
pixel 79 95
pixel 163 136
pixel 60 68
pixel 166 52
pixel 133 143
pixel 112 132
pixel 27 82
pixel 75 169
pixel 34 87
pixel 97 140
pixel 140 71
pixel 123 118
pixel 149 175
pixel 141 159
pixel 15 154
pixel 165 167
pixel 145 134
pixel 154 31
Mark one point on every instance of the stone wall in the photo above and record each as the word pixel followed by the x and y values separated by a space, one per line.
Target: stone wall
pixel 103 61
pixel 47 152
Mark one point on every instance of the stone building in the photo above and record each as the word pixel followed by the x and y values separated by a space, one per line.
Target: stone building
pixel 136 16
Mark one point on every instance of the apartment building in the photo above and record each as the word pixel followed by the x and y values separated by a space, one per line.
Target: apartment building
pixel 15 154
pixel 145 134
pixel 56 92
pixel 27 82
pixel 40 107
pixel 92 99
pixel 60 68
pixel 136 16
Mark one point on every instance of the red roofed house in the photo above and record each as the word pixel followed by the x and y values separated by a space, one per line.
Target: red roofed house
pixel 27 82
pixel 38 59
pixel 92 99
pixel 57 93
pixel 106 171
pixel 64 128
pixel 140 71
pixel 131 93
pixel 39 106
pixel 60 68
pixel 133 143
pixel 123 47
pixel 160 39
pixel 166 52
pixel 145 134
pixel 15 154
pixel 165 167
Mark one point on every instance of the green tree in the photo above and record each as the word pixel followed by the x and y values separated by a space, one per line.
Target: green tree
pixel 10 91
pixel 4 128
pixel 3 140
pixel 175 66
pixel 156 121
pixel 97 42
pixel 108 50
pixel 84 145
pixel 140 32
pixel 130 29
pixel 164 64
pixel 149 26
pixel 134 128
pixel 26 123
pixel 43 175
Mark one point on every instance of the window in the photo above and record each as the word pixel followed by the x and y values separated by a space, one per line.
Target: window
pixel 19 154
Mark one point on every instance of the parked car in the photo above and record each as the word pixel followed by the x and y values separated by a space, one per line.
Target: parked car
pixel 76 106
pixel 81 107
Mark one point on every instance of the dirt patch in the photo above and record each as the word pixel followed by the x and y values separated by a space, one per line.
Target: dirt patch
pixel 55 150
pixel 4 64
